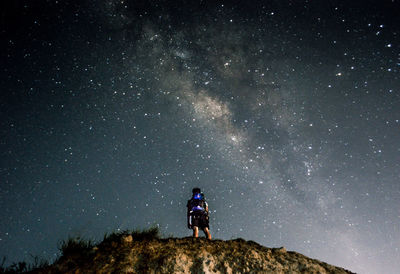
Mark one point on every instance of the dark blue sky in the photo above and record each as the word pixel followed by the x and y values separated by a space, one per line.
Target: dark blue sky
pixel 285 113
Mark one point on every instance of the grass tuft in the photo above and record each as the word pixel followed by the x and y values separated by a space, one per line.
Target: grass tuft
pixel 22 267
pixel 137 235
pixel 151 233
pixel 75 246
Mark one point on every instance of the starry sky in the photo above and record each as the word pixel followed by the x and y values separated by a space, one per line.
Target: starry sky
pixel 285 113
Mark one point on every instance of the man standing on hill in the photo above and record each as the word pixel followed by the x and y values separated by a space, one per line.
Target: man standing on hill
pixel 197 214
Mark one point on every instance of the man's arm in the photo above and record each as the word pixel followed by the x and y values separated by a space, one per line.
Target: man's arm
pixel 188 216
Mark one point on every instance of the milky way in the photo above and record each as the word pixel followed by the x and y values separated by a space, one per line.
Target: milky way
pixel 285 113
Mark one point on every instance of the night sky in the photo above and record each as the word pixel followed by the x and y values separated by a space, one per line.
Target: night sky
pixel 285 113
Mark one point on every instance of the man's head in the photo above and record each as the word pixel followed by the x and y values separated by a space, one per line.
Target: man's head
pixel 196 190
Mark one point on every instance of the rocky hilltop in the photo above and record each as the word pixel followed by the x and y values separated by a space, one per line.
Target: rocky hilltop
pixel 135 253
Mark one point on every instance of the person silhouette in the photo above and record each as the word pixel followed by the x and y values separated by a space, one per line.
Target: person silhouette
pixel 198 214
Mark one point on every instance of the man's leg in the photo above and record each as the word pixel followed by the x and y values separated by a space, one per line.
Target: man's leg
pixel 207 232
pixel 195 231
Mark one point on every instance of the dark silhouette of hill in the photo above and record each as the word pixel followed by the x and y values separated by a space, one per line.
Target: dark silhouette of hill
pixel 146 252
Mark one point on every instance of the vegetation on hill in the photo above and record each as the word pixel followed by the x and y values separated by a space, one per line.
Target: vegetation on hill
pixel 80 249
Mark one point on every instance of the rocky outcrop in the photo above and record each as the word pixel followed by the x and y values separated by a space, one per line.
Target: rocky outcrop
pixel 125 254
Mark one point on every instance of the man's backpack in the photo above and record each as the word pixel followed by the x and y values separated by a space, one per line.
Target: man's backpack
pixel 197 204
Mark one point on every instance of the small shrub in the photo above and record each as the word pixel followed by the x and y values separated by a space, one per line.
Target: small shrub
pixel 114 236
pixel 149 234
pixel 75 246
pixel 23 267
pixel 38 263
pixel 137 235
pixel 18 267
